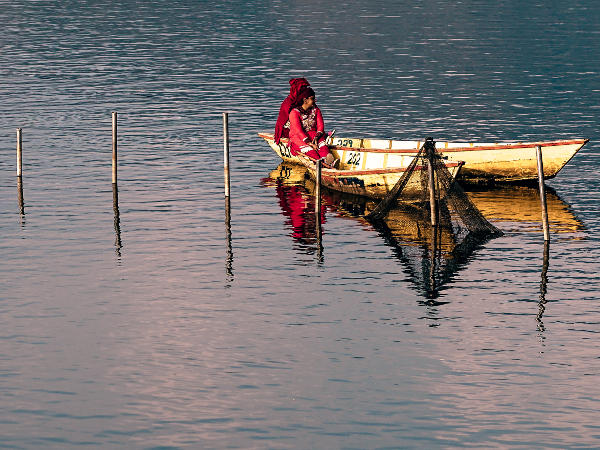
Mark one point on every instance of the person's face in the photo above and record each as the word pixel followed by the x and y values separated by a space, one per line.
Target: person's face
pixel 309 102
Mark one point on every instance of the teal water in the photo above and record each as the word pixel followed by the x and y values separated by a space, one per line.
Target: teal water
pixel 157 331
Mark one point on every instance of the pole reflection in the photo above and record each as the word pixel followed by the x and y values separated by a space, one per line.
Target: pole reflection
pixel 117 220
pixel 20 198
pixel 319 232
pixel 543 287
pixel 229 250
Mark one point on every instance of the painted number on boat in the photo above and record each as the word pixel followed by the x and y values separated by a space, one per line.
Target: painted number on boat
pixel 353 158
pixel 344 142
pixel 285 150
pixel 285 172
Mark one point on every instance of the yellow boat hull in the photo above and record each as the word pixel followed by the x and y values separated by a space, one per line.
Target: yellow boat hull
pixel 372 183
pixel 483 162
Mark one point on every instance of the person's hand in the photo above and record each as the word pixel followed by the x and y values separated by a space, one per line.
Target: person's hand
pixel 313 145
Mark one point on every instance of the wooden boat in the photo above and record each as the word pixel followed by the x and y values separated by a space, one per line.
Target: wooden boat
pixel 373 183
pixel 483 162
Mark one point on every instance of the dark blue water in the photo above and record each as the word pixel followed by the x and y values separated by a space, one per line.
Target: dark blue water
pixel 155 328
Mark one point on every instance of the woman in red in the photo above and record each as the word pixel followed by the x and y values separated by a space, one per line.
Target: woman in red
pixel 307 134
pixel 282 127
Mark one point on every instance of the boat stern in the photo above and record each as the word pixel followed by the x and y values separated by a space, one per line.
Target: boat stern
pixel 282 149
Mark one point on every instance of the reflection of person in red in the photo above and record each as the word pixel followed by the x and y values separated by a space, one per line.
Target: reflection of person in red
pixel 282 127
pixel 300 208
pixel 307 129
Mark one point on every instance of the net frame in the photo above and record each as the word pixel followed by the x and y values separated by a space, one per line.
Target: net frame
pixel 448 201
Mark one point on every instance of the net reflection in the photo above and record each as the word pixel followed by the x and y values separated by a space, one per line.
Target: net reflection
pixel 430 257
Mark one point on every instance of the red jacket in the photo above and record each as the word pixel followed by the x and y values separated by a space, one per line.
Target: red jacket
pixel 296 85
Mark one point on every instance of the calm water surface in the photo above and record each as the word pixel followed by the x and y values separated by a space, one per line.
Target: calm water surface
pixel 152 329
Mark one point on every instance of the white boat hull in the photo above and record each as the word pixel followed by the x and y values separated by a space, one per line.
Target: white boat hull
pixel 483 162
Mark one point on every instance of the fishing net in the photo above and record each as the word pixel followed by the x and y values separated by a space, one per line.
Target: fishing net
pixel 442 201
pixel 431 254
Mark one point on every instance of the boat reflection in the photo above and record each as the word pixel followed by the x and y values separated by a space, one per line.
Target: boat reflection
pixel 430 258
pixel 298 206
pixel 518 208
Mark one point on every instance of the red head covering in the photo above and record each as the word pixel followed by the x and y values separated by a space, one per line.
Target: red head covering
pixel 296 85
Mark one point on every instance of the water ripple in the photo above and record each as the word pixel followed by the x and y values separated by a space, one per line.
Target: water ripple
pixel 155 323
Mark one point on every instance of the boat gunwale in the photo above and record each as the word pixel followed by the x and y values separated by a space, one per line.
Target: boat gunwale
pixel 473 148
pixel 363 172
pixel 507 146
pixel 309 163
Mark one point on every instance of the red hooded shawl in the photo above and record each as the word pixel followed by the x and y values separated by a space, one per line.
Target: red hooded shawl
pixel 296 85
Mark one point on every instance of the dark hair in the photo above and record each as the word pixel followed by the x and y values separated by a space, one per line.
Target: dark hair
pixel 305 93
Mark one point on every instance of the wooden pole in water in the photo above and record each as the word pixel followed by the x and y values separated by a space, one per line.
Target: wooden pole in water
pixel 20 171
pixel 432 203
pixel 226 152
pixel 540 168
pixel 229 260
pixel 318 188
pixel 114 147
pixel 19 152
